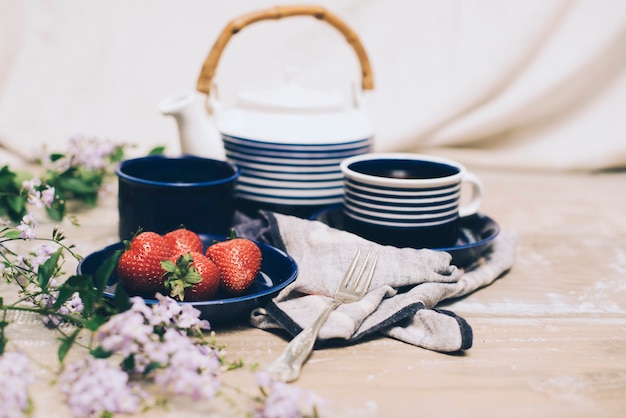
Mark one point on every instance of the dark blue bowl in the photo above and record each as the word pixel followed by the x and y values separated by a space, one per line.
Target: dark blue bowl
pixel 159 193
pixel 278 270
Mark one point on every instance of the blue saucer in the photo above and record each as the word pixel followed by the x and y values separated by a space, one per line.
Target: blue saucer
pixel 475 236
pixel 278 269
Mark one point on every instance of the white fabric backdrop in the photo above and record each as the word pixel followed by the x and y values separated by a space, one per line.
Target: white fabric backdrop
pixel 537 84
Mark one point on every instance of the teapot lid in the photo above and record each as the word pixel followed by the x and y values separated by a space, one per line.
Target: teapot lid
pixel 291 96
pixel 292 114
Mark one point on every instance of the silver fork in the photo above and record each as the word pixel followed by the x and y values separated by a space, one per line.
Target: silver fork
pixel 287 366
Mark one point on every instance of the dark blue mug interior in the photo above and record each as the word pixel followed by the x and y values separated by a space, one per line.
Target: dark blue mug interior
pixel 404 168
pixel 159 193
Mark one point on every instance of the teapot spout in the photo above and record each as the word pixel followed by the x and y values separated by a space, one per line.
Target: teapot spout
pixel 198 134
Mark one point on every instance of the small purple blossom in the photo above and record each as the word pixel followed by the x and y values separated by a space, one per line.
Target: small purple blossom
pixel 283 400
pixel 47 196
pixel 127 334
pixel 182 316
pixel 93 387
pixel 35 197
pixel 164 312
pixel 16 375
pixel 27 227
pixel 41 255
pixel 47 299
pixel 192 369
pixel 190 318
pixel 71 306
pixel 132 333
pixel 177 361
pixel 31 185
pixel 91 153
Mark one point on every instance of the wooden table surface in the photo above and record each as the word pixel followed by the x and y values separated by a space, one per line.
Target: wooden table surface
pixel 549 336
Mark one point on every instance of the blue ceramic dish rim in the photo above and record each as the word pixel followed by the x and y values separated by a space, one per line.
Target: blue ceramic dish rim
pixel 494 225
pixel 285 168
pixel 290 184
pixel 293 274
pixel 301 154
pixel 295 145
pixel 496 230
pixel 285 160
pixel 137 180
pixel 289 201
pixel 295 175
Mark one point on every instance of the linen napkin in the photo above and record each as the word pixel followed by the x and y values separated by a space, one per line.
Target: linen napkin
pixel 401 303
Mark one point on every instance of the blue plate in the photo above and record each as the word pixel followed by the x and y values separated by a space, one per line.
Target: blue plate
pixel 475 236
pixel 278 269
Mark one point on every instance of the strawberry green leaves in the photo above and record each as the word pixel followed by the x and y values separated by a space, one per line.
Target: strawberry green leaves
pixel 180 275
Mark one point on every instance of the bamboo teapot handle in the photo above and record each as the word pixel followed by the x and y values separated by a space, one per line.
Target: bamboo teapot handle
pixel 278 12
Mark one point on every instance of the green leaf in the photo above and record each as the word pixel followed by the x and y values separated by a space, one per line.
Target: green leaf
pixel 56 212
pixel 76 185
pixel 47 269
pixel 90 199
pixel 56 156
pixel 121 299
pixel 105 271
pixel 17 204
pixel 168 266
pixel 152 366
pixel 94 323
pixel 118 154
pixel 100 352
pixel 66 344
pixel 11 234
pixel 129 362
pixel 77 284
pixel 66 290
pixel 193 276
pixel 6 175
pixel 160 150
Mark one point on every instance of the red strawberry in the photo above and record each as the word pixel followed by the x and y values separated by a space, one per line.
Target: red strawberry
pixel 183 241
pixel 239 261
pixel 139 268
pixel 191 276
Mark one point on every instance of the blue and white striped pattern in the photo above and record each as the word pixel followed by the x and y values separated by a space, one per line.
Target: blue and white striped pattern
pixel 406 202
pixel 291 173
pixel 402 208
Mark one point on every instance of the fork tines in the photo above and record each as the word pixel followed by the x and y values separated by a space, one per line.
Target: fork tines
pixel 350 272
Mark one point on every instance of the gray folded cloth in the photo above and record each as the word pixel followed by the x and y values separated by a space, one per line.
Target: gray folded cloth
pixel 401 303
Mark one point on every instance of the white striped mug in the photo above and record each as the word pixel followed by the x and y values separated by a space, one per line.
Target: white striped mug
pixel 406 199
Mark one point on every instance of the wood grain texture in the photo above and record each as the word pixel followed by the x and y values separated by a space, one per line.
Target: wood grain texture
pixel 549 337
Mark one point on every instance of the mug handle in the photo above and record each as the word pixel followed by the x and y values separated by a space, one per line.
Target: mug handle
pixel 472 207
